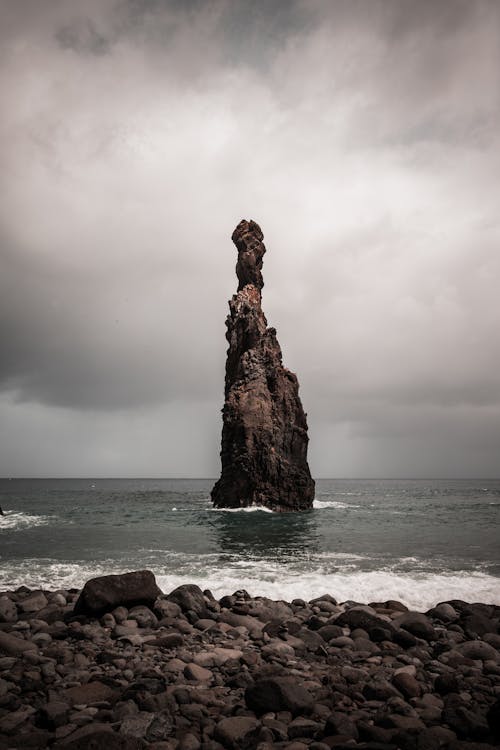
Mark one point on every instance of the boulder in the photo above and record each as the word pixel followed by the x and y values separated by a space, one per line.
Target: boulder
pixel 279 694
pixel 146 725
pixel 407 685
pixel 327 632
pixel 467 723
pixel 168 640
pixel 304 728
pixel 14 646
pixel 478 650
pixel 8 610
pixel 190 598
pixel 379 690
pixel 493 639
pixel 105 593
pixel 97 736
pixel 189 741
pixel 253 625
pixel 340 723
pixel 404 639
pixel 165 608
pixel 33 602
pixel 52 715
pixel 443 612
pixel 323 598
pixel 417 624
pixel 144 617
pixel 476 625
pixel 11 722
pixel 195 672
pixel 91 692
pixel 237 732
pixel 365 618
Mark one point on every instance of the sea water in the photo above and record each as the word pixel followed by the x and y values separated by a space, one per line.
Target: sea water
pixel 417 541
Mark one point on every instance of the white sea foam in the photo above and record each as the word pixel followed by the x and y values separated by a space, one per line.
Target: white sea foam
pixel 16 520
pixel 319 504
pixel 248 509
pixel 417 593
pixel 268 578
pixel 338 556
pixel 48 574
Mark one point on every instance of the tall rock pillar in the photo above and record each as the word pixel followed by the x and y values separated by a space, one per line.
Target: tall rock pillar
pixel 264 433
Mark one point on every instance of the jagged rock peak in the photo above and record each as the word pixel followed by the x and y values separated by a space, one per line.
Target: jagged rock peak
pixel 264 433
pixel 248 238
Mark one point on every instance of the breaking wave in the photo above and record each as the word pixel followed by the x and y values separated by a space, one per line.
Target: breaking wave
pixel 249 509
pixel 16 520
pixel 268 578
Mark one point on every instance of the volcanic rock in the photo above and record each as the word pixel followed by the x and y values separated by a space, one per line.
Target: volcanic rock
pixel 237 731
pixel 189 598
pixel 277 684
pixel 8 610
pixel 12 645
pixel 278 694
pixel 417 624
pixel 104 593
pixel 264 434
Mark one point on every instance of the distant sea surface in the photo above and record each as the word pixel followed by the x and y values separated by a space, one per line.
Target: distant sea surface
pixel 417 541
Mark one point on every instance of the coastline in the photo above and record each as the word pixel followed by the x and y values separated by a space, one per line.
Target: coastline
pixel 184 671
pixel 416 542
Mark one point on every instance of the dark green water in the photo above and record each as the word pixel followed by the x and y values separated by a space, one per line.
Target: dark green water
pixel 417 541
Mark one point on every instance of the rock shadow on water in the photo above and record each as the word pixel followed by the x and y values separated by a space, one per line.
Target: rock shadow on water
pixel 264 534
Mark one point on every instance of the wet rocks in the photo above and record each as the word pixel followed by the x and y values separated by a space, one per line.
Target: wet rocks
pixel 188 672
pixel 264 435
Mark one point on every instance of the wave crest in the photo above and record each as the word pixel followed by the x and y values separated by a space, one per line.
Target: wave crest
pixel 16 520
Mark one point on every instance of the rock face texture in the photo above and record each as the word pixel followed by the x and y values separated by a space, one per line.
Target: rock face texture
pixel 264 434
pixel 104 593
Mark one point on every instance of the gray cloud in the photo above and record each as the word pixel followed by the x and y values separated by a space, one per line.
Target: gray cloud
pixel 363 136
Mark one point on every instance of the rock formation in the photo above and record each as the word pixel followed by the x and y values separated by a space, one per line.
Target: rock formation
pixel 264 434
pixel 104 593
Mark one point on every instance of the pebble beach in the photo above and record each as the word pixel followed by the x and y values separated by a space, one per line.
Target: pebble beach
pixel 122 664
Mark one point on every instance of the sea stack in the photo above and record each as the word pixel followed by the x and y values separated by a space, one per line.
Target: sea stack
pixel 264 433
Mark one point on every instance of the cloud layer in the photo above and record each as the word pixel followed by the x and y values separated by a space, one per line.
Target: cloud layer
pixel 362 136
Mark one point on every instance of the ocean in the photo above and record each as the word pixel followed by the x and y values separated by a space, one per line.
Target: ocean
pixel 417 541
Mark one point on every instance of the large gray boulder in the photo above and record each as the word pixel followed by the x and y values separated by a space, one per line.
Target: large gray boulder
pixel 104 593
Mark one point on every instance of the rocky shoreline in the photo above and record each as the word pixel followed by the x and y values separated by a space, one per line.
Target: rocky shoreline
pixel 121 665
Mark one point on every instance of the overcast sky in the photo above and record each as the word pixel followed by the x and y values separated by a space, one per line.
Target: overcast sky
pixel 364 137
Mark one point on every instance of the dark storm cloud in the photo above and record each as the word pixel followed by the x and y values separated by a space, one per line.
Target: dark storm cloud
pixel 363 136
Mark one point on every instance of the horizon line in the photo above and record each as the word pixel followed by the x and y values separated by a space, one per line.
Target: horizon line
pixel 213 479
